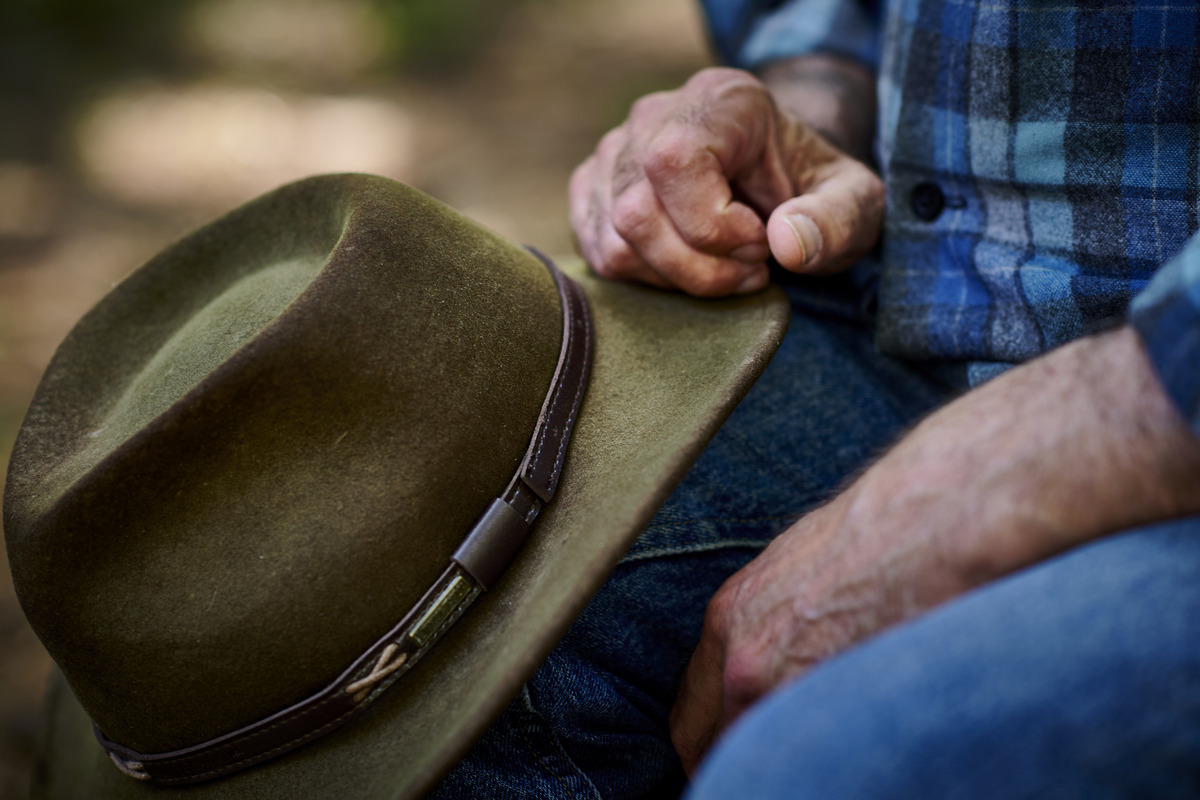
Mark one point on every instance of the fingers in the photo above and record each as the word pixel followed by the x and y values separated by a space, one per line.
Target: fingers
pixel 599 243
pixel 745 648
pixel 689 163
pixel 832 224
pixel 703 269
pixel 724 678
pixel 653 204
pixel 629 235
pixel 676 196
pixel 697 713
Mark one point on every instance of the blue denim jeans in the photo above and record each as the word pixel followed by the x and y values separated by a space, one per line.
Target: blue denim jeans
pixel 592 722
pixel 1078 678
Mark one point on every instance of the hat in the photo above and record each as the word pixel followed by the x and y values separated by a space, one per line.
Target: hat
pixel 267 506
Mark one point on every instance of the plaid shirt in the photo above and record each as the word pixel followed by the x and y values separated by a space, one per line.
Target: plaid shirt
pixel 1042 163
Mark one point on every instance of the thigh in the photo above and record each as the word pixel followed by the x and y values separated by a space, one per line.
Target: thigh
pixel 825 405
pixel 1077 678
pixel 592 722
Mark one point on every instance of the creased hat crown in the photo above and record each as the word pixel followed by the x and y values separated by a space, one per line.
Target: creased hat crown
pixel 256 453
pixel 243 466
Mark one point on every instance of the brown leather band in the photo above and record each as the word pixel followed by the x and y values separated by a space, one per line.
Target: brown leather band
pixel 476 565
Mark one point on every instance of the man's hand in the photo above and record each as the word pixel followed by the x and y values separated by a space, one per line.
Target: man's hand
pixel 677 196
pixel 1080 443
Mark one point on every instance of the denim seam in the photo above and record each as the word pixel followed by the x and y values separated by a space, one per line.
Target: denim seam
pixel 527 700
pixel 721 520
pixel 705 547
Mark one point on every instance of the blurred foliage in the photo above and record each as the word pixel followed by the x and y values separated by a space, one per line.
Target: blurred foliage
pixel 53 52
pixel 71 38
pixel 78 37
pixel 441 33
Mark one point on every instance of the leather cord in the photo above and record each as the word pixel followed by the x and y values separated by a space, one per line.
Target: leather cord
pixel 475 566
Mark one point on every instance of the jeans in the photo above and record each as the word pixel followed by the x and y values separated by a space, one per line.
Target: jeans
pixel 592 721
pixel 1077 678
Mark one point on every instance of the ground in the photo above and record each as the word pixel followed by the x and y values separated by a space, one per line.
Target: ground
pixel 100 166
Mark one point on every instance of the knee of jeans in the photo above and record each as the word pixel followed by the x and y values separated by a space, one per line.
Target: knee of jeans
pixel 1079 677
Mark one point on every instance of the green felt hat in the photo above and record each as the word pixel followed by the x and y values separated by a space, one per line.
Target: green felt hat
pixel 249 471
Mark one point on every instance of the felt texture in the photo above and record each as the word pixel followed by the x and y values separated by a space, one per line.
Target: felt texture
pixel 311 401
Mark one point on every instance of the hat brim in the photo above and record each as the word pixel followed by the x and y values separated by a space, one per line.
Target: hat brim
pixel 667 371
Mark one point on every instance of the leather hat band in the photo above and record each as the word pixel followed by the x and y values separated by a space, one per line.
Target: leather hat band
pixel 475 566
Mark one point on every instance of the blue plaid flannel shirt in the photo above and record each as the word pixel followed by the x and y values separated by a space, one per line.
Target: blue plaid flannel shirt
pixel 1042 163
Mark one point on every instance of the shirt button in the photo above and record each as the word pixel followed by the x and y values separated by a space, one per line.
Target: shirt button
pixel 927 201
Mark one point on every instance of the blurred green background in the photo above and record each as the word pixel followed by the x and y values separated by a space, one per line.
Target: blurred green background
pixel 124 123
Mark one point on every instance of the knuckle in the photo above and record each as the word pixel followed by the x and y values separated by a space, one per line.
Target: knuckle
pixel 719 611
pixel 670 156
pixel 873 189
pixel 632 215
pixel 648 105
pixel 711 77
pixel 746 676
pixel 711 280
pixel 581 175
pixel 615 259
pixel 725 85
pixel 705 235
pixel 868 186
pixel 874 182
pixel 877 197
pixel 613 141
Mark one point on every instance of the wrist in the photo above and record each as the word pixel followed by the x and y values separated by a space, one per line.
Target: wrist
pixel 834 96
pixel 1080 443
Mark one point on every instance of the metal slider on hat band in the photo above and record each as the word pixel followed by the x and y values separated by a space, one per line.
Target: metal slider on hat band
pixel 474 568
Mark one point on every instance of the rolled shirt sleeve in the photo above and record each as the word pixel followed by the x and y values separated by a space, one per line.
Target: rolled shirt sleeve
pixel 1167 316
pixel 751 33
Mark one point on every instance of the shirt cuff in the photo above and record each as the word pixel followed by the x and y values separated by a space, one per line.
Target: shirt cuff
pixel 748 36
pixel 1167 316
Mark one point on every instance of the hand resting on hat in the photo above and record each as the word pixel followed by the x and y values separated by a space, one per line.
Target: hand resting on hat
pixel 701 185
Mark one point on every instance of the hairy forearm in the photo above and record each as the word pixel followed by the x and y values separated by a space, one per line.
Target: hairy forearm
pixel 1073 446
pixel 834 95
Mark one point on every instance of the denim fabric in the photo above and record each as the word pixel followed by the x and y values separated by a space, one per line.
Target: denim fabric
pixel 592 722
pixel 1078 678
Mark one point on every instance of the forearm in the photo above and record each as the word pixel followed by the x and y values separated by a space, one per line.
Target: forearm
pixel 1078 444
pixel 836 96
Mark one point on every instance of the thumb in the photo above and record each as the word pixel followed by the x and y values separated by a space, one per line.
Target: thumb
pixel 833 223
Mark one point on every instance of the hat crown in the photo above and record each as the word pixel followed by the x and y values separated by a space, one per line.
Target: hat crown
pixel 205 338
pixel 253 457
